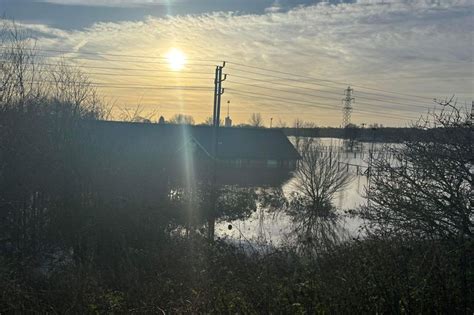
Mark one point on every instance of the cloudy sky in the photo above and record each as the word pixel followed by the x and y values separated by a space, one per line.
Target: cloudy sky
pixel 285 59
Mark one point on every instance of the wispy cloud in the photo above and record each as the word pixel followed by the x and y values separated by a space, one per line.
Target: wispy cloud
pixel 275 7
pixel 112 3
pixel 418 3
pixel 420 47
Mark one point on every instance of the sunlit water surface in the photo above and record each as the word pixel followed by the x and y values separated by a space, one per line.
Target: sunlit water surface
pixel 274 228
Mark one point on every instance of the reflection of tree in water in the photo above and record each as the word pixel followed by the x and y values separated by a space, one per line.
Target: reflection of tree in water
pixel 316 225
pixel 270 202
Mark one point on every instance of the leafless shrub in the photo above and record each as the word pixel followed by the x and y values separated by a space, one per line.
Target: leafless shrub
pixel 281 124
pixel 317 180
pixel 427 190
pixel 137 114
pixel 26 79
pixel 41 108
pixel 20 73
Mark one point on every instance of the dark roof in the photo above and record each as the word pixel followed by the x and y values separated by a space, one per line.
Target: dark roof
pixel 233 143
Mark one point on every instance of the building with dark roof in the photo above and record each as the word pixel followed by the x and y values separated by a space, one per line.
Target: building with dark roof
pixel 244 156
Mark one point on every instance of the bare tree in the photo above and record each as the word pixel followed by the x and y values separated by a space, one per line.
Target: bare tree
pixel 137 114
pixel 41 108
pixel 298 123
pixel 20 73
pixel 281 124
pixel 256 120
pixel 317 180
pixel 427 190
pixel 25 79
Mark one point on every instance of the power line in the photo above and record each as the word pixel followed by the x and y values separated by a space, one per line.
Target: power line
pixel 160 97
pixel 195 72
pixel 312 105
pixel 322 91
pixel 104 54
pixel 127 61
pixel 279 99
pixel 157 98
pixel 304 103
pixel 110 68
pixel 318 84
pixel 132 75
pixel 299 81
pixel 318 96
pixel 200 87
pixel 209 60
pixel 203 60
pixel 324 80
pixel 120 60
pixel 127 86
pixel 183 110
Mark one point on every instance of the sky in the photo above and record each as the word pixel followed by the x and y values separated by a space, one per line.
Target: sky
pixel 285 59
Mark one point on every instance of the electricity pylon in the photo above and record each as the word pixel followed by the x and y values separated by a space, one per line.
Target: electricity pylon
pixel 347 107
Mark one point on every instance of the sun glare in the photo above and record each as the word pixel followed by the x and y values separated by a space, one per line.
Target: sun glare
pixel 176 59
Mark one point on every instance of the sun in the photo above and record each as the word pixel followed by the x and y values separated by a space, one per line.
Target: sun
pixel 176 59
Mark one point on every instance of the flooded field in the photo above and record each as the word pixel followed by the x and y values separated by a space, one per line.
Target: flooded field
pixel 273 228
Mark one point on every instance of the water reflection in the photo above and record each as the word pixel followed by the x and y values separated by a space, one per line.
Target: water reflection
pixel 275 228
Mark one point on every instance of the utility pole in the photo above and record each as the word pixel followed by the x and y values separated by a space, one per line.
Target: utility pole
pixel 271 122
pixel 216 86
pixel 347 107
pixel 218 91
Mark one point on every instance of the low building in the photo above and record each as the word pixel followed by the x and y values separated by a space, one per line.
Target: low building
pixel 244 156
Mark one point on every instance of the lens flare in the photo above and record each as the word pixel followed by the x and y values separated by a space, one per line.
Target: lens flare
pixel 176 59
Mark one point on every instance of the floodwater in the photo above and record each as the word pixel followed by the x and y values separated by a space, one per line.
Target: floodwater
pixel 273 228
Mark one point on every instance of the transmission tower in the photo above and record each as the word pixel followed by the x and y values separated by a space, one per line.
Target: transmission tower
pixel 347 107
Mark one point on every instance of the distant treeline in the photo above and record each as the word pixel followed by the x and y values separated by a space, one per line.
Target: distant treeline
pixel 384 134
